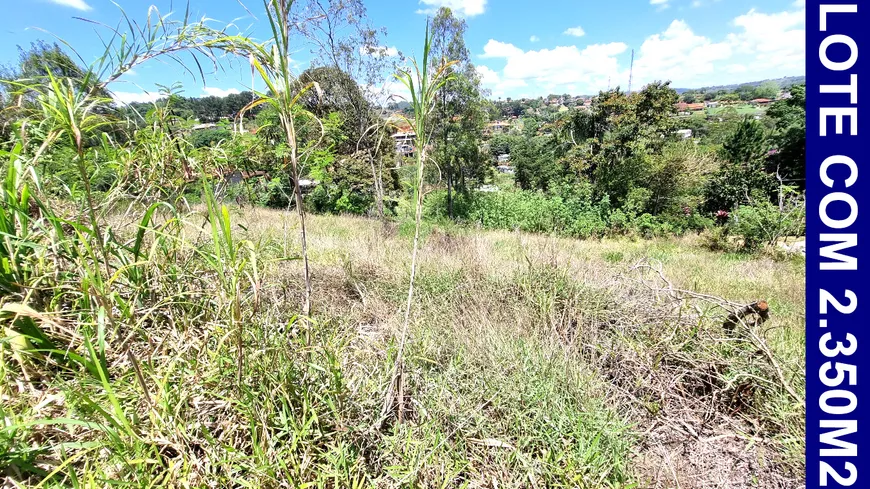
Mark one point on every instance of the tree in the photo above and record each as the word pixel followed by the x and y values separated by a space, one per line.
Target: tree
pixel 344 41
pixel 745 92
pixel 747 144
pixel 461 108
pixel 769 89
pixel 742 177
pixel 789 138
pixel 342 38
pixel 41 59
pixel 340 94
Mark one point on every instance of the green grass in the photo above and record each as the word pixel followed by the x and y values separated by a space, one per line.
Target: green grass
pixel 531 360
pixel 743 109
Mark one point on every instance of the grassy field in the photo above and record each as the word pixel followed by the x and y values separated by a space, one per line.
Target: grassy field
pixel 532 362
pixel 741 110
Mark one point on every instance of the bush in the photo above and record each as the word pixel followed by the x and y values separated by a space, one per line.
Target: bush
pixel 209 137
pixel 567 210
pixel 763 224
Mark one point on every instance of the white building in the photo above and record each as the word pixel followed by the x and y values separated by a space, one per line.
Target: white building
pixel 405 142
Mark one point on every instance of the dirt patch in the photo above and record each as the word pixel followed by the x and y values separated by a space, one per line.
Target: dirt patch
pixel 697 392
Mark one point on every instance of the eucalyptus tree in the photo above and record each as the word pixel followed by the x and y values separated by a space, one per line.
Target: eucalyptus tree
pixel 461 107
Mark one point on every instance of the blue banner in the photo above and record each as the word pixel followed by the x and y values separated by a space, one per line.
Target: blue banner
pixel 838 268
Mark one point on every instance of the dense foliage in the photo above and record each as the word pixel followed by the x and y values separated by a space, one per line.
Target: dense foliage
pixel 618 159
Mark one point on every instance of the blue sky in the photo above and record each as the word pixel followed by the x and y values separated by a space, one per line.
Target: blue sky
pixel 521 47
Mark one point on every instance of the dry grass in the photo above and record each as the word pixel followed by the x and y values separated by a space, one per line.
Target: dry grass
pixel 532 362
pixel 479 269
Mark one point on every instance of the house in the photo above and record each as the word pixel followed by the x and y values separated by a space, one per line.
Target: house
pixel 685 133
pixel 497 127
pixel 695 107
pixel 760 101
pixel 404 141
pixel 711 104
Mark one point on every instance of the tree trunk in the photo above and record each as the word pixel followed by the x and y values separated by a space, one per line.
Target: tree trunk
pixel 450 192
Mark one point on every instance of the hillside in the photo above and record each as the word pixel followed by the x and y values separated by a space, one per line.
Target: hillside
pixel 529 358
pixel 783 82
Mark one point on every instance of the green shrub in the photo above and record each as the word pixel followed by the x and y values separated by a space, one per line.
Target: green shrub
pixel 763 224
pixel 568 211
pixel 209 137
pixel 717 239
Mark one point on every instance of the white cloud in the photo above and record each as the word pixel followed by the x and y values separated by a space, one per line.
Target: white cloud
pixel 126 98
pixel 678 54
pixel 760 45
pixel 534 39
pixel 575 31
pixel 488 76
pixel 378 51
pixel 556 68
pixel 218 92
pixel 770 41
pixel 463 8
pixel 391 91
pixel 662 4
pixel 498 49
pixel 76 4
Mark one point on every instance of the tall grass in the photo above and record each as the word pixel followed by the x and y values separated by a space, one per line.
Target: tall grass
pixel 423 86
pixel 272 61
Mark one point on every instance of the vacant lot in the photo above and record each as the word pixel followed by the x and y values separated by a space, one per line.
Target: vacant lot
pixel 532 362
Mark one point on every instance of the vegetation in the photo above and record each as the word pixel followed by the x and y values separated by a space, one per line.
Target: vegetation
pixel 183 306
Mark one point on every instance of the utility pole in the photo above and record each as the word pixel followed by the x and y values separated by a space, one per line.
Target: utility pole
pixel 630 71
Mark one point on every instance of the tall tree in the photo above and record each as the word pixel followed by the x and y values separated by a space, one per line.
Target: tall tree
pixel 742 175
pixel 462 113
pixel 790 138
pixel 343 41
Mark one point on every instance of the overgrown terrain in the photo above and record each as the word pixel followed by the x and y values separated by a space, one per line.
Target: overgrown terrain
pixel 532 361
pixel 287 299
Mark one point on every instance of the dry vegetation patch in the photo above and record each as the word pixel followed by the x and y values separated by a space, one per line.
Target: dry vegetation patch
pixel 532 362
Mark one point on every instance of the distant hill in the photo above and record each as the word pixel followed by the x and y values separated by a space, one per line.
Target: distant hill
pixel 784 82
